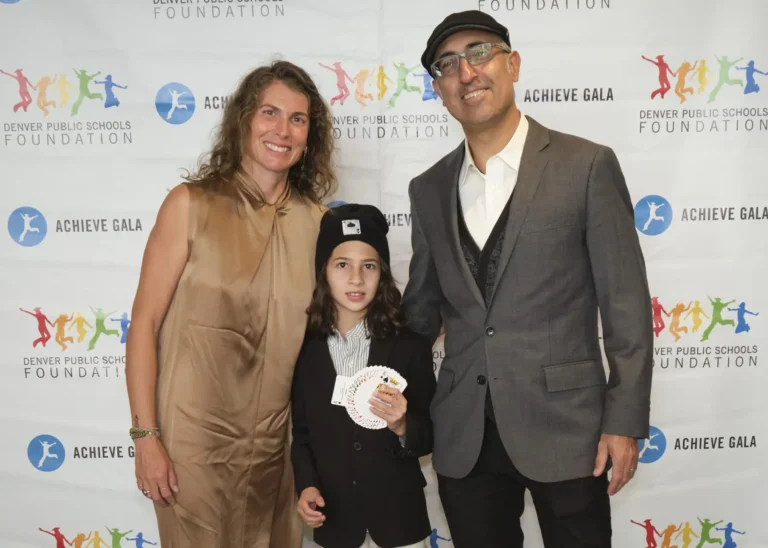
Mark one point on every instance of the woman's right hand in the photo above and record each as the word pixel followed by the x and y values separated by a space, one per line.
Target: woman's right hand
pixel 154 471
pixel 309 500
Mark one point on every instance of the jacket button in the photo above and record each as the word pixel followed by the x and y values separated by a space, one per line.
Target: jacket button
pixel 357 445
pixel 480 379
pixel 354 483
pixel 490 331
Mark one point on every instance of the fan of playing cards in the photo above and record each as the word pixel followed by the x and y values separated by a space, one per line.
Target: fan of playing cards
pixel 362 386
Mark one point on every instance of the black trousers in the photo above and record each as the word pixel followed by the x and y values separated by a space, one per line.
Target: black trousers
pixel 484 508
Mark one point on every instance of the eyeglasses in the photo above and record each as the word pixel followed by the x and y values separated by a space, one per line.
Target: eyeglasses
pixel 475 55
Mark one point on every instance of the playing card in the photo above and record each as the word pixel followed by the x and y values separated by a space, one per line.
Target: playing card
pixel 363 386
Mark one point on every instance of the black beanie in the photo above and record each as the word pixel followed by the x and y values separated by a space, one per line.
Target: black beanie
pixel 364 223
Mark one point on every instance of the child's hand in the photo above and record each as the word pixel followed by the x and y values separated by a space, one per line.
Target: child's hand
pixel 394 413
pixel 309 500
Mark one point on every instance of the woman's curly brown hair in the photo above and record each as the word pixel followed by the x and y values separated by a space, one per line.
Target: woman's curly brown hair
pixel 313 178
pixel 384 319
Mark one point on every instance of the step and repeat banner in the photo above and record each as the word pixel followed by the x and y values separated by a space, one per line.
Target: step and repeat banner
pixel 103 104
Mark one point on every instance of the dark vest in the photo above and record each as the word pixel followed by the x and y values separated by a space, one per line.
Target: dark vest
pixel 483 263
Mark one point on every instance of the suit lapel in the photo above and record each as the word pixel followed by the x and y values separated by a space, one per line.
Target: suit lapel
pixel 532 165
pixel 451 204
pixel 380 351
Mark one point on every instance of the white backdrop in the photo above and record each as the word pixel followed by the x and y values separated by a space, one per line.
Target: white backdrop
pixel 85 165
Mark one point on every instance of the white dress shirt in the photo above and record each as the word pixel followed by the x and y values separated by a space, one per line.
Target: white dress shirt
pixel 484 196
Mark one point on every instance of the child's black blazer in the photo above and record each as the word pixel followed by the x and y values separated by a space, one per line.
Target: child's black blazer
pixel 368 479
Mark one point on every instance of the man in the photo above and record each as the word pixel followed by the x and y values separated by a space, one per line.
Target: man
pixel 516 280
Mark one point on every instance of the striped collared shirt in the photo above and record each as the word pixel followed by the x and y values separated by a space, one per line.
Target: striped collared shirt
pixel 350 352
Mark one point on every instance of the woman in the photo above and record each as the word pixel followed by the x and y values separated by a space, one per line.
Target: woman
pixel 219 318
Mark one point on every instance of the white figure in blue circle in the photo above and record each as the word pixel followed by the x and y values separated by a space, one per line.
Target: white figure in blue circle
pixel 27 226
pixel 652 449
pixel 175 103
pixel 46 453
pixel 653 215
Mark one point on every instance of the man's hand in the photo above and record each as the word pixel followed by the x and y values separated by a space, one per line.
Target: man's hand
pixel 623 453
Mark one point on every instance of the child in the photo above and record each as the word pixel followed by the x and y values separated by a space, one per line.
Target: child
pixel 359 487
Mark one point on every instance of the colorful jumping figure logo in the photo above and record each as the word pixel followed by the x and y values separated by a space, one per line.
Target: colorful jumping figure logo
pixel 724 77
pixel 741 310
pixel 360 79
pixel 658 320
pixel 64 87
pixel 381 82
pixel 364 98
pixel 699 70
pixel 687 533
pixel 109 86
pixel 42 325
pixel 24 85
pixel 97 541
pixel 695 312
pixel 682 74
pixel 84 91
pixel 402 82
pixel 729 530
pixel 650 539
pixel 117 536
pixel 663 66
pixel 717 316
pixel 66 321
pixel 79 539
pixel 42 94
pixel 124 323
pixel 100 316
pixel 60 323
pixel 706 529
pixel 674 325
pixel 434 537
pixel 57 534
pixel 140 541
pixel 750 69
pixel 341 82
pixel 429 90
pixel 80 322
pixel 666 535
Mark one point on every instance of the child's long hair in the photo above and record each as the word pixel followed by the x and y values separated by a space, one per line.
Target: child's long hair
pixel 384 319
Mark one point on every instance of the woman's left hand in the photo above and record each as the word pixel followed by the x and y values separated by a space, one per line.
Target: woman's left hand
pixel 392 410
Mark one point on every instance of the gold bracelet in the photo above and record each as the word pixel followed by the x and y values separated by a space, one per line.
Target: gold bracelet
pixel 143 432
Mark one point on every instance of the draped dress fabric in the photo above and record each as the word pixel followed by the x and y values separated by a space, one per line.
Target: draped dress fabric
pixel 226 355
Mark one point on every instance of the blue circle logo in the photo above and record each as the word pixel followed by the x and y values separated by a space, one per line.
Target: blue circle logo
pixel 8 1
pixel 653 448
pixel 27 226
pixel 335 203
pixel 46 453
pixel 653 215
pixel 175 103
